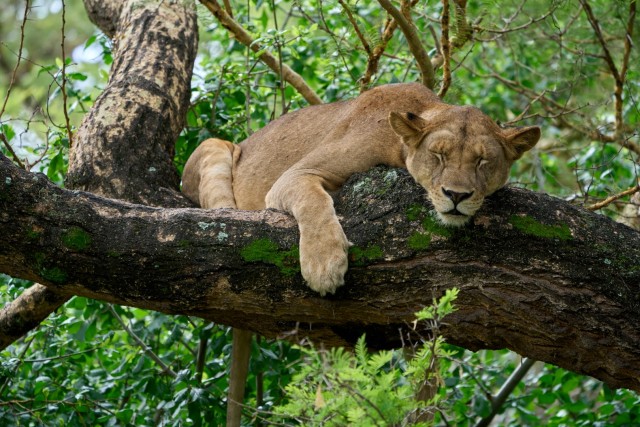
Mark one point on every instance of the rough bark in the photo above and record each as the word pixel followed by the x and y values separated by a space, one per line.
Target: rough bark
pixel 537 275
pixel 27 312
pixel 126 142
pixel 124 146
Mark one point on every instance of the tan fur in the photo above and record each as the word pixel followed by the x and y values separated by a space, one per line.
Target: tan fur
pixel 457 153
pixel 207 175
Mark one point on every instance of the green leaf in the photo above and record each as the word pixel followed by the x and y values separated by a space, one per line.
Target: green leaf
pixel 8 131
pixel 90 41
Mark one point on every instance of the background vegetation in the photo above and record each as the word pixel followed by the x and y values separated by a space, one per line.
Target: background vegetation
pixel 558 64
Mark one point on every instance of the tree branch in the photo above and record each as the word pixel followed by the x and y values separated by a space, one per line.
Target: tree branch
pixel 539 276
pixel 446 50
pixel 618 75
pixel 27 311
pixel 293 78
pixel 415 45
pixel 611 199
pixel 505 391
pixel 149 85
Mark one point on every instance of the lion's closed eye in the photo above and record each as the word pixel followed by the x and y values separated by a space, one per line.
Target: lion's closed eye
pixel 439 156
pixel 481 162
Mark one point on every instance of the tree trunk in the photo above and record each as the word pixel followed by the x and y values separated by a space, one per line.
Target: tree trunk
pixel 124 146
pixel 537 275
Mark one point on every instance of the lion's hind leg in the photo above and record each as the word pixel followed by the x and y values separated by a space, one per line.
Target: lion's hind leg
pixel 207 177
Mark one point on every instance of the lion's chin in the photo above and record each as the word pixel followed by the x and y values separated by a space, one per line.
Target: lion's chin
pixel 453 219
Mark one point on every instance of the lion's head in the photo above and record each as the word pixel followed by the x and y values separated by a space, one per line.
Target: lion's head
pixel 460 156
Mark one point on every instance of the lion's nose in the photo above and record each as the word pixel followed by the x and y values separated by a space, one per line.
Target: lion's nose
pixel 455 196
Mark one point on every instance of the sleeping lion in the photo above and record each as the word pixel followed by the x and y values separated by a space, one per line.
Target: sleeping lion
pixel 458 154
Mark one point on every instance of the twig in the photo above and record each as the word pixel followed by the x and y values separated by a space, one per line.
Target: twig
pixel 165 368
pixel 611 199
pixel 507 388
pixel 15 69
pixel 7 378
pixel 202 355
pixel 436 42
pixel 446 50
pixel 557 111
pixel 293 78
pixel 505 30
pixel 63 356
pixel 227 7
pixel 278 44
pixel 364 399
pixel 374 57
pixel 618 75
pixel 247 89
pixel 356 27
pixel 9 148
pixel 418 51
pixel 217 94
pixel 5 141
pixel 63 86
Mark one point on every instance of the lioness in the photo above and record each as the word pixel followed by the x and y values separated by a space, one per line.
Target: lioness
pixel 458 154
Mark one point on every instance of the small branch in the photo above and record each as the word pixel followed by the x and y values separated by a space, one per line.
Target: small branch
pixel 439 58
pixel 63 86
pixel 9 148
pixel 507 388
pixel 374 57
pixel 446 50
pixel 247 89
pixel 618 76
pixel 418 51
pixel 202 354
pixel 356 27
pixel 7 378
pixel 15 69
pixel 609 200
pixel 557 111
pixel 63 356
pixel 628 43
pixel 165 368
pixel 293 78
pixel 598 32
pixel 5 141
pixel 278 44
pixel 506 30
pixel 227 7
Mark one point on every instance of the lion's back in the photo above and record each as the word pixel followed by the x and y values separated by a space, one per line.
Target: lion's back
pixel 269 152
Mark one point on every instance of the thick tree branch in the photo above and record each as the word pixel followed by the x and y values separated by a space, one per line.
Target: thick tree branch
pixel 537 275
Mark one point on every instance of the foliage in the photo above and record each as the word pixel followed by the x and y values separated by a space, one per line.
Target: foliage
pixel 337 387
pixel 533 62
pixel 81 367
pixel 548 396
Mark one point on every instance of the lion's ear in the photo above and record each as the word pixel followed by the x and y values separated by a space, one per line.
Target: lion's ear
pixel 407 126
pixel 520 140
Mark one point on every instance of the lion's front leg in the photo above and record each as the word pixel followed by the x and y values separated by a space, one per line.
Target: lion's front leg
pixel 323 244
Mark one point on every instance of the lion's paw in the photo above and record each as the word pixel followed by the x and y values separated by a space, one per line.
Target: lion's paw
pixel 323 260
